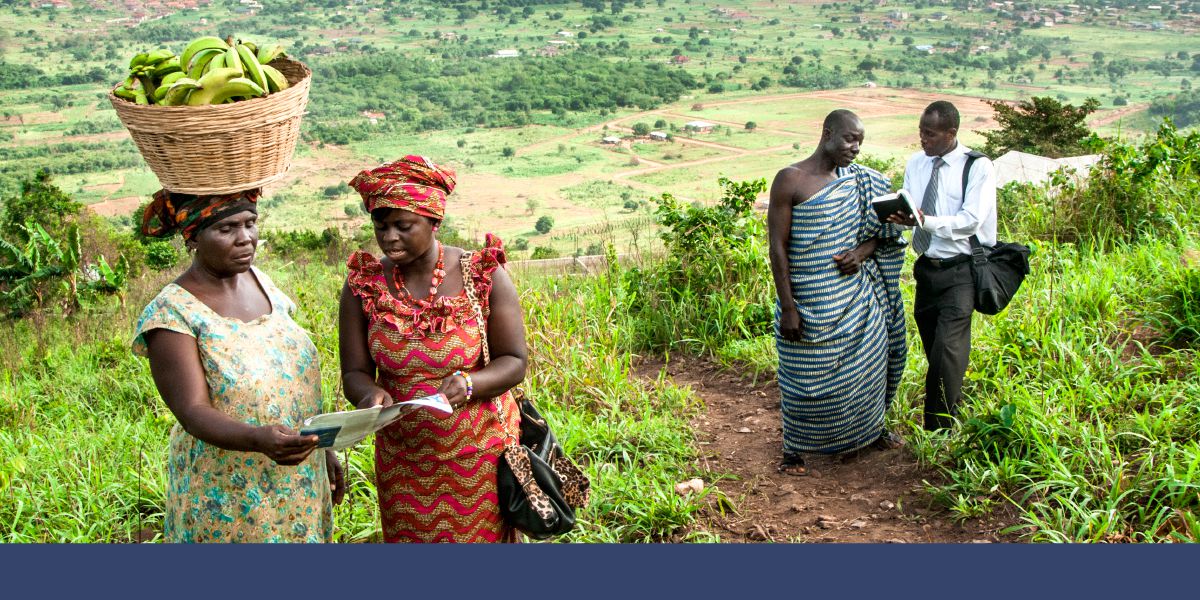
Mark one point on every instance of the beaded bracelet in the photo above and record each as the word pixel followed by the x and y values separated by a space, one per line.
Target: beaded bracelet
pixel 470 385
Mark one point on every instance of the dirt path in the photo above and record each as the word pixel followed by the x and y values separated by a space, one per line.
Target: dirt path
pixel 876 497
pixel 1113 116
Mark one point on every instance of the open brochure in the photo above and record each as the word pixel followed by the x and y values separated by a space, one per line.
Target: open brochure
pixel 343 429
pixel 890 204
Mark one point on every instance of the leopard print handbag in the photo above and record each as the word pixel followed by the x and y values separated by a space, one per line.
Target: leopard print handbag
pixel 539 487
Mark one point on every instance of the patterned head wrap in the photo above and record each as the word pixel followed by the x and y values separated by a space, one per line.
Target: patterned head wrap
pixel 188 214
pixel 413 183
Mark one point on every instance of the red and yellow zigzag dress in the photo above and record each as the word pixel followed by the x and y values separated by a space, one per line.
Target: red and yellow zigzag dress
pixel 436 476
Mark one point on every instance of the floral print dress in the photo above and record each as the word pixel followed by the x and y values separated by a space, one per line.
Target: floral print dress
pixel 261 372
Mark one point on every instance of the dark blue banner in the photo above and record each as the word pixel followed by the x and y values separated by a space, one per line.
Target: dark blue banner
pixel 562 572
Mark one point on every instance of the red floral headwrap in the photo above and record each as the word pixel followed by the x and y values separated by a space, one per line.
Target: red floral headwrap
pixel 188 214
pixel 413 183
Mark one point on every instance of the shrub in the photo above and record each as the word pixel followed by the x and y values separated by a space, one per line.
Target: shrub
pixel 714 285
pixel 1137 191
pixel 544 224
pixel 543 252
pixel 161 255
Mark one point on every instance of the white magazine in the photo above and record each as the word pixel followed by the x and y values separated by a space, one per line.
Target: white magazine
pixel 339 430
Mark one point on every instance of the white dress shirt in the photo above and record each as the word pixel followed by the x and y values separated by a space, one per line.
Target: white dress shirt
pixel 956 220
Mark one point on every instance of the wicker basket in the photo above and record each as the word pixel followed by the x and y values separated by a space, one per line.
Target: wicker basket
pixel 225 148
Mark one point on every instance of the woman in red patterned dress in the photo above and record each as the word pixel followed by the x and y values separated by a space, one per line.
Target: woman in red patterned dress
pixel 408 327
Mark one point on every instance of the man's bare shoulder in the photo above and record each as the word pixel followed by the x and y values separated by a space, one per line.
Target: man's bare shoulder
pixel 787 182
pixel 793 173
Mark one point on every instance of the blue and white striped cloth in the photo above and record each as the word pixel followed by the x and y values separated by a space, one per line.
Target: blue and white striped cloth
pixel 838 381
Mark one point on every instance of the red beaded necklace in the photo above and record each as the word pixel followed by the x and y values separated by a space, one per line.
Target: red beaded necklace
pixel 439 274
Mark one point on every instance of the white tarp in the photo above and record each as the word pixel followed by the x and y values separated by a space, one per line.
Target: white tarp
pixel 1031 168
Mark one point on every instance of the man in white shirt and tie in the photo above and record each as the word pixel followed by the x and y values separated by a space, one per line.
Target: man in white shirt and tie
pixel 948 218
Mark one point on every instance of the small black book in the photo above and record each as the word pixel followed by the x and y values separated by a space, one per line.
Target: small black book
pixel 890 204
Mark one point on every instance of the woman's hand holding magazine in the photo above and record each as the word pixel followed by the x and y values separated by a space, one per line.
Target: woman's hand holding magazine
pixel 343 429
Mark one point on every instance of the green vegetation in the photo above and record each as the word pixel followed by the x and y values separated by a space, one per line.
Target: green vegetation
pixel 1041 125
pixel 1081 408
pixel 425 95
pixel 1183 109
pixel 1082 412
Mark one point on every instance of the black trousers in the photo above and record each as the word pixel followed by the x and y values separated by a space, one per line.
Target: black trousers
pixel 943 307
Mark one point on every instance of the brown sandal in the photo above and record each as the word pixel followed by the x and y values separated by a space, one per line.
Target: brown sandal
pixel 793 464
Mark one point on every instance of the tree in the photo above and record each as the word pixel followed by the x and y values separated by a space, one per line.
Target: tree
pixel 1040 125
pixel 532 204
pixel 544 224
pixel 641 129
pixel 508 152
pixel 751 125
pixel 40 202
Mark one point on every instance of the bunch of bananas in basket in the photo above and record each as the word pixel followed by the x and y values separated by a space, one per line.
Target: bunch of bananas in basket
pixel 210 71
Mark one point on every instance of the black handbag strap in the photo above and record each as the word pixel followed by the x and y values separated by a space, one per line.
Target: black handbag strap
pixel 978 254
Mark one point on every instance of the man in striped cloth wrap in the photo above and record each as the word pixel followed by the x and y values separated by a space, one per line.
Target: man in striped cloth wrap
pixel 839 324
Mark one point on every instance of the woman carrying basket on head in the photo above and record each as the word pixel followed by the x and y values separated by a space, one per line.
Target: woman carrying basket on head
pixel 240 376
pixel 411 325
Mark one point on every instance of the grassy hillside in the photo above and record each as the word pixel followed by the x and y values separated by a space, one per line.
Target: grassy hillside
pixel 393 78
pixel 1082 398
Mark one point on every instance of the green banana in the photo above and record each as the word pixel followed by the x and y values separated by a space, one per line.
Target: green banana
pixel 250 66
pixel 199 44
pixel 158 56
pixel 171 78
pixel 148 86
pixel 276 82
pixel 160 92
pixel 138 60
pixel 178 94
pixel 211 85
pixel 232 60
pixel 139 97
pixel 267 55
pixel 200 61
pixel 171 65
pixel 218 62
pixel 233 88
pixel 123 92
pixel 251 45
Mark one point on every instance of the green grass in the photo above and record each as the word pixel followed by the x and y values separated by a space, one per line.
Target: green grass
pixel 83 433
